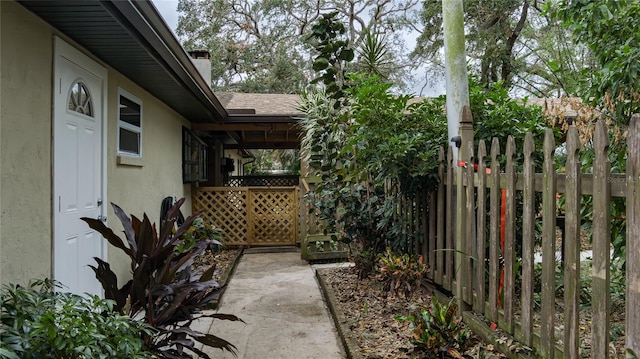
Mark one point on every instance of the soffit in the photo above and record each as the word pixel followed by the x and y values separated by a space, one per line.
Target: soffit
pixel 131 37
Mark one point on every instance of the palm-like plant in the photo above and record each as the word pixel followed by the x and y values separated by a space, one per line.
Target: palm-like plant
pixel 164 292
pixel 373 56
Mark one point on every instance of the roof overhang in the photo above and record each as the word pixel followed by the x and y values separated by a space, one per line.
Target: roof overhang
pixel 132 37
pixel 257 132
pixel 259 121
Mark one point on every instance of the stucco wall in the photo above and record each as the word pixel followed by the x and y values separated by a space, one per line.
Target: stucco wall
pixel 25 141
pixel 25 146
pixel 139 188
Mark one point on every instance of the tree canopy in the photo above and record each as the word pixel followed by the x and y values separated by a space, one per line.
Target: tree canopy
pixel 511 42
pixel 611 30
pixel 260 45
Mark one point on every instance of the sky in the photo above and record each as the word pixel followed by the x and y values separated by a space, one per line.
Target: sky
pixel 169 11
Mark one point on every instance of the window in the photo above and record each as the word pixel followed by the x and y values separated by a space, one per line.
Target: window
pixel 129 125
pixel 194 157
pixel 80 100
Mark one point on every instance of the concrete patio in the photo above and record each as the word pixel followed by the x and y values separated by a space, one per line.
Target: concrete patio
pixel 278 297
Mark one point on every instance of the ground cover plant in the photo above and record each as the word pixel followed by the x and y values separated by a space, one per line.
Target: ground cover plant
pixel 437 329
pixel 165 292
pixel 403 274
pixel 38 322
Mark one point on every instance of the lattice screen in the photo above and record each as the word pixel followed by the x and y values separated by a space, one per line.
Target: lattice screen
pixel 262 181
pixel 225 208
pixel 256 216
pixel 274 216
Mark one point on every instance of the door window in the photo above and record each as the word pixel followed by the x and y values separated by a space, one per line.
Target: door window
pixel 80 100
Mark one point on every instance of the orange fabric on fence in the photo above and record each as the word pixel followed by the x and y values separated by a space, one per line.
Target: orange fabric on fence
pixel 503 223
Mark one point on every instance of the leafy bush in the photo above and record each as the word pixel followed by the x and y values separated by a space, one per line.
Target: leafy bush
pixel 164 293
pixel 401 274
pixel 37 322
pixel 199 231
pixel 436 330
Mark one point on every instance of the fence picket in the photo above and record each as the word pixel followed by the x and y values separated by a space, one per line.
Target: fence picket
pixel 547 340
pixel 433 218
pixel 601 244
pixel 468 267
pixel 449 218
pixel 494 231
pixel 440 222
pixel 481 220
pixel 632 325
pixel 571 244
pixel 528 213
pixel 509 237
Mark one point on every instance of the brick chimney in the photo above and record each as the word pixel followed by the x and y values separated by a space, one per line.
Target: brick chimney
pixel 201 59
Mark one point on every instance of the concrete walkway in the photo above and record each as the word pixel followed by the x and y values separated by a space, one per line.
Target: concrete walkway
pixel 277 295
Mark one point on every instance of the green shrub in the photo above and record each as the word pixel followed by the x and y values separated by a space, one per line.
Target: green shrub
pixel 437 330
pixel 38 322
pixel 197 232
pixel 401 274
pixel 164 292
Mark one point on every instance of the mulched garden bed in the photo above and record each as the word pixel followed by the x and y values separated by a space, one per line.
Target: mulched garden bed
pixel 225 261
pixel 366 316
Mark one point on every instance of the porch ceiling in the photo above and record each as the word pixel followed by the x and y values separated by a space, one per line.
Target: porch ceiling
pixel 256 135
pixel 132 37
pixel 259 121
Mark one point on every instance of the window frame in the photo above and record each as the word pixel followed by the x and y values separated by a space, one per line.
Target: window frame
pixel 127 126
pixel 194 158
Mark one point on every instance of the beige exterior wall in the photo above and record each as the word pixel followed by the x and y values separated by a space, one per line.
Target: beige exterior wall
pixel 140 186
pixel 25 145
pixel 26 65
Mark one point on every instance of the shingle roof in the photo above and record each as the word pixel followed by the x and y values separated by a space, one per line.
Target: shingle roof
pixel 263 104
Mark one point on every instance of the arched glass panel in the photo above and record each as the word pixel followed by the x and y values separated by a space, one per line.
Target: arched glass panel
pixel 80 99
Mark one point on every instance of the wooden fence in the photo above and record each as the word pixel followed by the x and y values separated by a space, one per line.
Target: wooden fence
pixel 315 243
pixel 471 269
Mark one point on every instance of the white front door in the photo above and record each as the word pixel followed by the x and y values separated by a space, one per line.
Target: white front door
pixel 78 167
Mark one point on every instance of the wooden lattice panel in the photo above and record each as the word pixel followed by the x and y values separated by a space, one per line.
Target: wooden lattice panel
pixel 273 216
pixel 262 181
pixel 225 208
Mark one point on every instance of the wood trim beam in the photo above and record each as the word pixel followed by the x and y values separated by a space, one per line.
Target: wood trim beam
pixel 245 127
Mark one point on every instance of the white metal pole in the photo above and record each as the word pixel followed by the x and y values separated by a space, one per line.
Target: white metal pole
pixel 457 99
pixel 455 66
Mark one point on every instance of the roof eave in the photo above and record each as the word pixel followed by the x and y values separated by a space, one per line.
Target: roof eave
pixel 168 45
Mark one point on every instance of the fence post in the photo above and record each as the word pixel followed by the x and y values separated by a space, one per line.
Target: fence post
pixel 547 341
pixel 632 326
pixel 461 254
